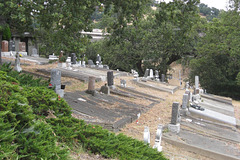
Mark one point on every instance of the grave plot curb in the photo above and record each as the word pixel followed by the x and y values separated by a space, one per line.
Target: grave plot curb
pixel 202 151
pixel 219 99
pixel 157 88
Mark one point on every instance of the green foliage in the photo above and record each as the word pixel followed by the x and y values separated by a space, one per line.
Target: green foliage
pixel 218 59
pixel 39 142
pixel 47 101
pixel 238 79
pixel 210 13
pixel 7 136
pixel 63 59
pixel 153 41
pixel 37 124
pixel 6 33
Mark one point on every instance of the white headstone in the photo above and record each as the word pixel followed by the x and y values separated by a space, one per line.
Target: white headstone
pixel 151 73
pixel 196 82
pixel 146 135
pixel 17 63
pixel 158 138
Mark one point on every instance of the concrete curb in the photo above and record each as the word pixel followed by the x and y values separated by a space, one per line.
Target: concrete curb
pixel 198 150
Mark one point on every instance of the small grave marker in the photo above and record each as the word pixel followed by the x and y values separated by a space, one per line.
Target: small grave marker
pixel 146 135
pixel 17 63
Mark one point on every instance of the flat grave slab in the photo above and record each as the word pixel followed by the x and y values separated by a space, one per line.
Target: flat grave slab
pixel 83 74
pixel 112 112
pixel 212 140
pixel 217 106
pixel 158 86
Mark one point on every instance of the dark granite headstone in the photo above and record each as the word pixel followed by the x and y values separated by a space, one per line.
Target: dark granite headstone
pixel 11 45
pixel 110 78
pixel 175 113
pixel 73 58
pixel 163 78
pixel 99 59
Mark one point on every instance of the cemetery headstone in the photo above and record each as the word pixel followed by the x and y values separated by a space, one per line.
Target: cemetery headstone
pixel 56 82
pixel 146 135
pixel 105 89
pixel 11 45
pixel 105 66
pixel 56 78
pixel 110 78
pixel 156 75
pixel 83 64
pixel 146 73
pixel 180 78
pixel 185 101
pixel 135 76
pixel 151 74
pixel 73 58
pixel 123 82
pixel 4 46
pixel 162 77
pixel 22 46
pixel 91 85
pixel 99 59
pixel 34 52
pixel 17 66
pixel 196 82
pixel 158 138
pixel 90 62
pixel 174 126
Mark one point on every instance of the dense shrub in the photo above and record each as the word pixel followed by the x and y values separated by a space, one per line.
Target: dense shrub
pixel 27 131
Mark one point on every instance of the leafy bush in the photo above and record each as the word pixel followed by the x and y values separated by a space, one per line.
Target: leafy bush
pixel 29 134
pixel 6 33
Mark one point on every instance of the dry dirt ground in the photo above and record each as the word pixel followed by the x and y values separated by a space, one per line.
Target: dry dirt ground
pixel 159 114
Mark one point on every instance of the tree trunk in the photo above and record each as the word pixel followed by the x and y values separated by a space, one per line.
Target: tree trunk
pixel 139 68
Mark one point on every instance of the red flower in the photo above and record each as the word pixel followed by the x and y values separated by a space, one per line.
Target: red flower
pixel 93 127
pixel 50 84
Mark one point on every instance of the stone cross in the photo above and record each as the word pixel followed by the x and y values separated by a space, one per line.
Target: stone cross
pixel 146 135
pixel 17 63
pixel 196 82
pixel 146 73
pixel 158 138
pixel 110 78
pixel 163 78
